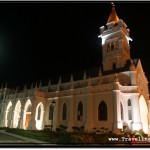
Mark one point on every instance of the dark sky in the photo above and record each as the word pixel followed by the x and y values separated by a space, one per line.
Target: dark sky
pixel 42 40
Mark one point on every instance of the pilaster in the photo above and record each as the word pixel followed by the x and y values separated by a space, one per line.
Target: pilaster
pixel 89 116
pixel 117 123
pixel 136 120
pixel 72 116
pixel 43 119
pixel 20 122
pixel 32 122
pixel 56 117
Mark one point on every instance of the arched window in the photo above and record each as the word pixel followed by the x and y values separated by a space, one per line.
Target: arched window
pixel 51 112
pixel 121 109
pixel 114 66
pixel 29 108
pixel 112 46
pixel 129 110
pixel 64 114
pixel 102 111
pixel 80 111
pixel 39 113
pixel 129 102
pixel 108 47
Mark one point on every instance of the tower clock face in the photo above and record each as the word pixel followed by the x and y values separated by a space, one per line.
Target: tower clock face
pixel 140 82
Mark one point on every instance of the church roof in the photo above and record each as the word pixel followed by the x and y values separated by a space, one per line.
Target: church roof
pixel 113 15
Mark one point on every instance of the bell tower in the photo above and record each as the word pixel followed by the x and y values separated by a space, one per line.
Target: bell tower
pixel 115 42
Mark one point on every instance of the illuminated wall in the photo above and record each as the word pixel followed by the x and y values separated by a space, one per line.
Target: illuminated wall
pixel 117 97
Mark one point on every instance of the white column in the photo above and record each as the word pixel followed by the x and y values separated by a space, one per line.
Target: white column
pixel 20 123
pixel 5 124
pixel 89 118
pixel 3 115
pixel 12 118
pixel 24 119
pixel 72 116
pixel 117 123
pixel 9 119
pixel 136 120
pixel 42 119
pixel 32 122
pixel 56 117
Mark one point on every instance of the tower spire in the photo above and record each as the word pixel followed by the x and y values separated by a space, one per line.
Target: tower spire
pixel 113 15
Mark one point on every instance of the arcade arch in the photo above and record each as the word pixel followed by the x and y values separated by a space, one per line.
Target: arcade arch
pixel 8 115
pixel 17 113
pixel 39 116
pixel 27 114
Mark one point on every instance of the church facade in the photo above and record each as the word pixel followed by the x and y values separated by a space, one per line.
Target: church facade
pixel 117 97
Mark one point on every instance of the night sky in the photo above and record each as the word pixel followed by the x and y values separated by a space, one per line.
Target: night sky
pixel 42 40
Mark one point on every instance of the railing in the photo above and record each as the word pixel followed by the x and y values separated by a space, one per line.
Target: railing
pixel 103 88
pixel 80 91
pixel 126 89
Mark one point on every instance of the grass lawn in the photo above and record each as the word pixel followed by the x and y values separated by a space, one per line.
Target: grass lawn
pixel 62 137
pixel 42 135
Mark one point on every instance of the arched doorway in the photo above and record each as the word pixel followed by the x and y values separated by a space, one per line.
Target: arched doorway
pixel 27 114
pixel 8 115
pixel 17 113
pixel 143 113
pixel 39 116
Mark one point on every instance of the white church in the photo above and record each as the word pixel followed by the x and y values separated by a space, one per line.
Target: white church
pixel 117 97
